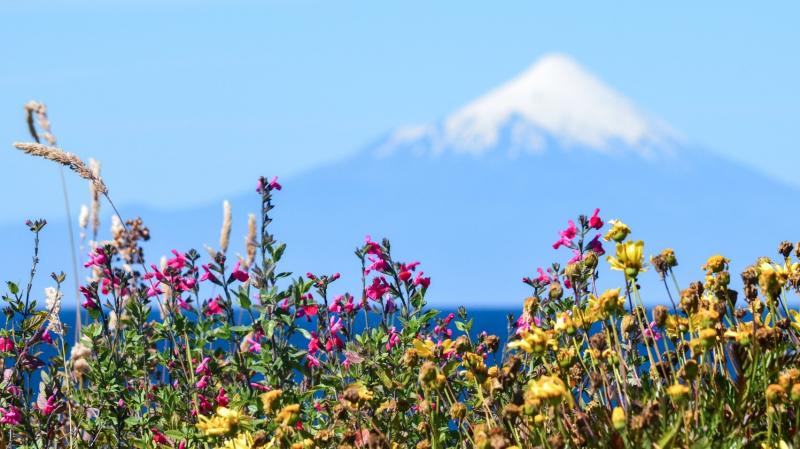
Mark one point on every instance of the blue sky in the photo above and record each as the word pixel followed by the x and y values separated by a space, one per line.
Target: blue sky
pixel 186 103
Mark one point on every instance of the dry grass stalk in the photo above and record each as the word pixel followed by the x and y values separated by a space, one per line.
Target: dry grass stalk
pixel 94 167
pixel 34 107
pixel 64 158
pixel 225 232
pixel 250 240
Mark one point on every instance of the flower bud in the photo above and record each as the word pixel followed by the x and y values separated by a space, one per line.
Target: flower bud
pixel 618 418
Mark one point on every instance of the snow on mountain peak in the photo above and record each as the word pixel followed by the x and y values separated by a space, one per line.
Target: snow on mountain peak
pixel 553 99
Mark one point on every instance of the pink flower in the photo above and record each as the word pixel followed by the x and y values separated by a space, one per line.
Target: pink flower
pixel 652 332
pixel 378 288
pixel 543 278
pixel 308 310
pixel 566 235
pixel 153 290
pixel 49 406
pixel 260 387
pixel 312 361
pixel 274 184
pixel 214 307
pixel 10 416
pixel 372 247
pixel 46 337
pixel 6 344
pixel 595 222
pixel 177 262
pixel 239 274
pixel 208 275
pixel 376 265
pixel 394 339
pixel 335 325
pixel 313 344
pixel 160 438
pixel 203 368
pixel 222 399
pixel 336 306
pixel 202 383
pixel 97 259
pixel 425 282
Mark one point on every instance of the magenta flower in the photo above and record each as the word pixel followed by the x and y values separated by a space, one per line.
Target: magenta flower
pixel 98 259
pixel 596 245
pixel 378 288
pixel 239 274
pixel 214 307
pixel 425 282
pixel 6 344
pixel 274 184
pixel 394 339
pixel 335 325
pixel 312 361
pixel 10 416
pixel 202 383
pixel 222 399
pixel 566 235
pixel 652 332
pixel 177 262
pixel 207 274
pixel 543 278
pixel 203 368
pixel 372 247
pixel 153 290
pixel 595 222
pixel 313 344
pixel 160 438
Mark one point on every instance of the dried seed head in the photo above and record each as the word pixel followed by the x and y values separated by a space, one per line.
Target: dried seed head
pixel 62 157
pixel 250 240
pixel 83 217
pixel 225 232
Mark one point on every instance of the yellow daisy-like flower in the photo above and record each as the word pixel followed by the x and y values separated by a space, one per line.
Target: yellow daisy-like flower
pixel 535 340
pixel 427 348
pixel 243 440
pixel 222 422
pixel 289 415
pixel 270 398
pixel 608 304
pixel 617 232
pixel 629 258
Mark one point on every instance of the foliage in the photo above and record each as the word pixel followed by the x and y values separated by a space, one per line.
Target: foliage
pixel 238 354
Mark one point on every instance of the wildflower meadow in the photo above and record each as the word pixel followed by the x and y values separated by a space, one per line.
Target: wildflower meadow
pixel 207 349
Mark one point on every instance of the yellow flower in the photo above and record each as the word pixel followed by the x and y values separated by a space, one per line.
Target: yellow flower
pixel 618 231
pixel 243 440
pixel 427 348
pixel 629 258
pixel 547 389
pixel 222 422
pixel 610 303
pixel 269 399
pixel 769 279
pixel 535 340
pixel 564 323
pixel 618 418
pixel 289 415
pixel 678 392
pixel 715 264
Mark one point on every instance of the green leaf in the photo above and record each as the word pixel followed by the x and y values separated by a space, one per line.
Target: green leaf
pixel 13 288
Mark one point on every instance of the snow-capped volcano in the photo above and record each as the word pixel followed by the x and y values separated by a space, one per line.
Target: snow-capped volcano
pixel 554 99
pixel 479 224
